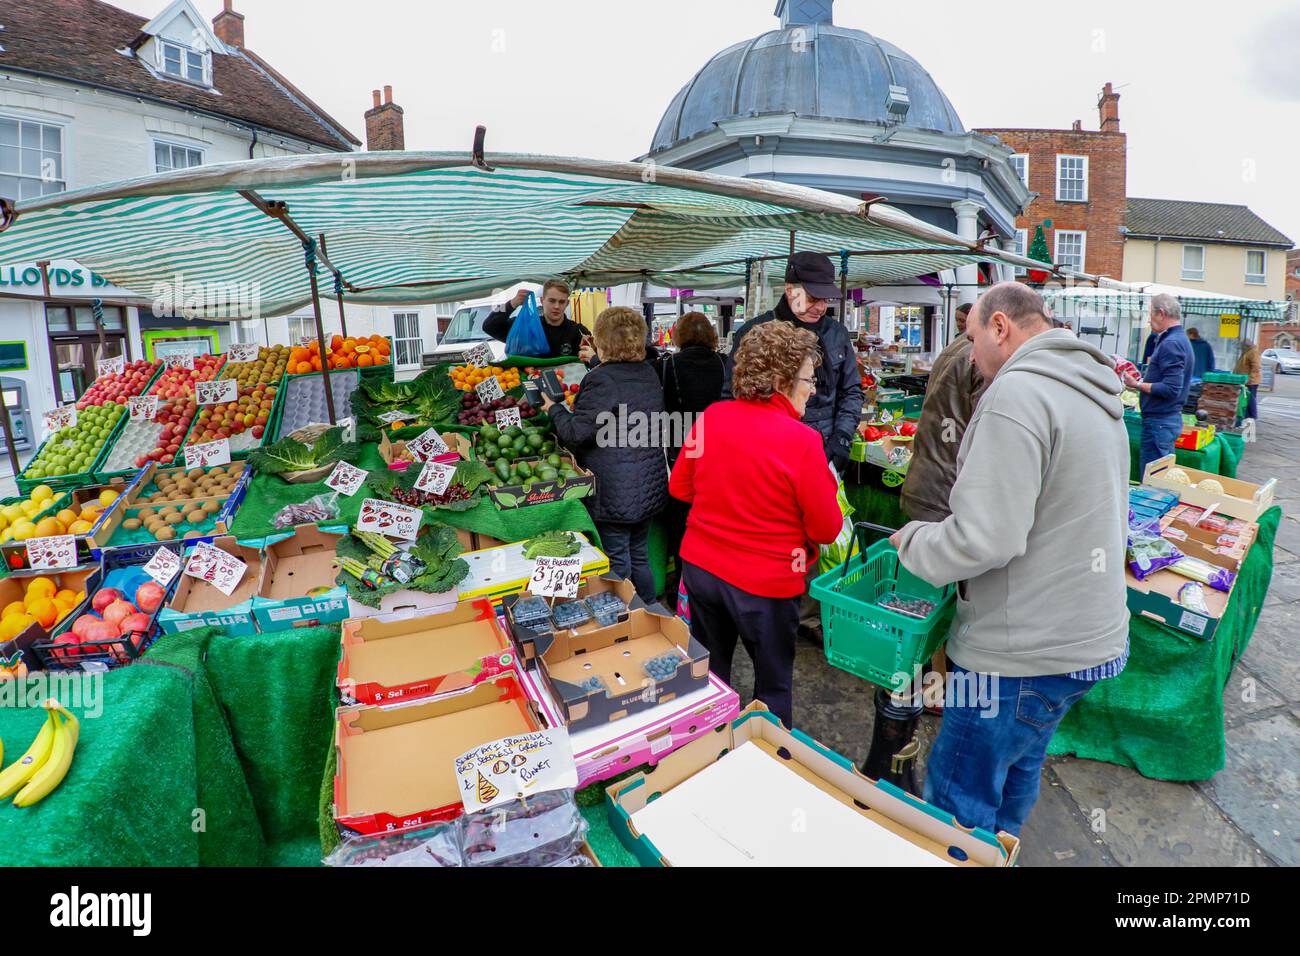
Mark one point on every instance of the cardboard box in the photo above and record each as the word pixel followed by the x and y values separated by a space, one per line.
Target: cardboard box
pixel 394 767
pixel 456 442
pixel 426 656
pixel 198 604
pixel 74 499
pixel 1240 499
pixel 12 589
pixel 526 638
pixel 1157 596
pixel 296 586
pixel 544 492
pixel 616 655
pixel 1197 540
pixel 403 604
pixel 496 572
pixel 886 813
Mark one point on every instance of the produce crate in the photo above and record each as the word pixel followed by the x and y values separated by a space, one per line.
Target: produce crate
pixel 1225 378
pixel 111 536
pixel 343 382
pixel 912 406
pixel 15 552
pixel 66 482
pixel 122 650
pixel 877 644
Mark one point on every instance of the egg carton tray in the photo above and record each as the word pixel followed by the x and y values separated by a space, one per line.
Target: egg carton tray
pixel 135 439
pixel 304 400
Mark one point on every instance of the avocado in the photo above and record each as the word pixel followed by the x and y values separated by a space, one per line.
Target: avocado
pixel 490 433
pixel 524 469
pixel 548 474
pixel 555 461
pixel 514 431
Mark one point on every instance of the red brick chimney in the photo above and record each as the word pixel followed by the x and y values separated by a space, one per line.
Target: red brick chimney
pixel 229 26
pixel 1108 105
pixel 1077 126
pixel 384 128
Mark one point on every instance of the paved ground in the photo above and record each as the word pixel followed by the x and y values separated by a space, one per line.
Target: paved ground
pixel 1247 815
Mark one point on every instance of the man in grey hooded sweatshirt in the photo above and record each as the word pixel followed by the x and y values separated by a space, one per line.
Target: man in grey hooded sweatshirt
pixel 1036 543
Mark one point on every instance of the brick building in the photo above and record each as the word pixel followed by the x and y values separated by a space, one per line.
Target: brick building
pixel 1078 180
pixel 1286 336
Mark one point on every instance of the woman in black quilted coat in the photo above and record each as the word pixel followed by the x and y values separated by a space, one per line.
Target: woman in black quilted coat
pixel 614 430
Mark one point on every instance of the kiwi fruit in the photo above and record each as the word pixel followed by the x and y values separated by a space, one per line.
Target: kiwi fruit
pixel 174 518
pixel 211 506
pixel 194 474
pixel 196 516
pixel 164 534
pixel 144 513
pixel 131 524
pixel 192 534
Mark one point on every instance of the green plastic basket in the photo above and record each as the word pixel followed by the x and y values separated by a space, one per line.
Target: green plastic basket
pixel 1225 378
pixel 875 643
pixel 912 406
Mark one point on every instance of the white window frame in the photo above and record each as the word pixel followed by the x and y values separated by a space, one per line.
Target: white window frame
pixel 404 340
pixel 205 62
pixel 1022 242
pixel 188 147
pixel 1024 174
pixel 1193 275
pixel 63 149
pixel 305 326
pixel 1257 278
pixel 1083 247
pixel 1064 156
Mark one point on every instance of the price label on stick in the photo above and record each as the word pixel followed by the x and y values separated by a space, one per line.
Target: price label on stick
pixel 427 445
pixel 142 407
pixel 47 554
pixel 57 419
pixel 209 453
pixel 389 519
pixel 163 566
pixel 346 478
pixel 489 390
pixel 556 577
pixel 111 366
pixel 243 352
pixel 222 570
pixel 218 392
pixel 507 417
pixel 480 355
pixel 435 477
pixel 183 360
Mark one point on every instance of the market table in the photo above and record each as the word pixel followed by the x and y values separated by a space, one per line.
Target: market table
pixel 1219 457
pixel 1163 716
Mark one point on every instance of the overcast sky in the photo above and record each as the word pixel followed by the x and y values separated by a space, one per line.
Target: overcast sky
pixel 1210 90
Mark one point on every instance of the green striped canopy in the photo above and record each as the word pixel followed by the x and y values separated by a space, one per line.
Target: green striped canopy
pixel 430 227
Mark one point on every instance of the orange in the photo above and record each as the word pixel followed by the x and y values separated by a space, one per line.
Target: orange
pixel 44 610
pixel 301 368
pixel 315 363
pixel 80 527
pixel 13 607
pixel 15 624
pixel 49 527
pixel 67 516
pixel 336 342
pixel 40 587
pixel 314 347
pixel 384 347
pixel 90 513
pixel 364 361
pixel 66 596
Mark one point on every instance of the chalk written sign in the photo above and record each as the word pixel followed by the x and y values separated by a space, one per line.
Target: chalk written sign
pixel 396 416
pixel 56 551
pixel 507 417
pixel 57 419
pixel 180 360
pixel 427 445
pixel 163 566
pixel 243 352
pixel 435 477
pixel 223 571
pixel 111 366
pixel 208 454
pixel 346 478
pixel 217 392
pixel 556 577
pixel 142 407
pixel 389 519
pixel 480 355
pixel 489 390
pixel 515 768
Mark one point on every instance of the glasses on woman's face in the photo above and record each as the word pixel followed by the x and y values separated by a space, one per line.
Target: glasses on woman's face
pixel 811 382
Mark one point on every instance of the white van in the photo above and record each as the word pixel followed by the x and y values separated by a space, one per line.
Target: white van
pixel 466 327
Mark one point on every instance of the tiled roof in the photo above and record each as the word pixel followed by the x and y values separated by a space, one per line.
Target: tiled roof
pixel 1199 220
pixel 79 40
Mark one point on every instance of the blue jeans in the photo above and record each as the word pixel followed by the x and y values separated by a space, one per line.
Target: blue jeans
pixel 1158 437
pixel 985 765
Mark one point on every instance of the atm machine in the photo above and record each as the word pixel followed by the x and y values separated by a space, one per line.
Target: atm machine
pixel 14 391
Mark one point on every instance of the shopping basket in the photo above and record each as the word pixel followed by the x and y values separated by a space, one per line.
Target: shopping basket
pixel 876 643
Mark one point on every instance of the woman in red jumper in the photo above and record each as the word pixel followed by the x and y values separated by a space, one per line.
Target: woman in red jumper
pixel 760 491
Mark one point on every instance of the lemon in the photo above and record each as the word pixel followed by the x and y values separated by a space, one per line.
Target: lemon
pixel 4 522
pixel 107 497
pixel 23 530
pixel 42 493
pixel 12 513
pixel 30 507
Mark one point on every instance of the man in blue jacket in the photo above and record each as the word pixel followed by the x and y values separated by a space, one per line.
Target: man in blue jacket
pixel 1204 354
pixel 1165 383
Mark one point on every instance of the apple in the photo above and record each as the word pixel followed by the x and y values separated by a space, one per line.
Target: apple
pixel 105 597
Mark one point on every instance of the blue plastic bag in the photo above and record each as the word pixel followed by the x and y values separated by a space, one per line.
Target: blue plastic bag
pixel 526 335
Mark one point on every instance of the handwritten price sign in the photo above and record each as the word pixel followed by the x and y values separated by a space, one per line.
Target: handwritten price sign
pixel 556 577
pixel 514 767
pixel 243 352
pixel 208 454
pixel 489 390
pixel 47 554
pixel 480 355
pixel 163 566
pixel 435 477
pixel 57 419
pixel 507 417
pixel 427 445
pixel 184 360
pixel 223 571
pixel 217 393
pixel 111 366
pixel 142 407
pixel 389 519
pixel 346 479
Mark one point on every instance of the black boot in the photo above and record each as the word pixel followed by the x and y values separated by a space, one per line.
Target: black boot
pixel 893 740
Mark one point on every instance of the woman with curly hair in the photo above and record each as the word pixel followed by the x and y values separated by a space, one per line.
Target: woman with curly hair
pixel 762 498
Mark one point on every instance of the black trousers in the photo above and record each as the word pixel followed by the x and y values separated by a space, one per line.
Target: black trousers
pixel 721 612
pixel 673 519
pixel 629 556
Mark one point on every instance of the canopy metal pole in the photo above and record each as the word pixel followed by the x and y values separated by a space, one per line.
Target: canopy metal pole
pixel 309 249
pixel 338 288
pixel 844 287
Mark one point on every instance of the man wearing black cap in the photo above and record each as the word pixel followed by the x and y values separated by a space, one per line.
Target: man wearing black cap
pixel 836 407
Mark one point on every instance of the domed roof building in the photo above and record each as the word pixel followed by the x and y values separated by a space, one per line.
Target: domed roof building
pixel 838 109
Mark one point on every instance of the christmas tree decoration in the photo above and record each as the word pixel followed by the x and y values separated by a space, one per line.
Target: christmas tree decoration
pixel 1038 250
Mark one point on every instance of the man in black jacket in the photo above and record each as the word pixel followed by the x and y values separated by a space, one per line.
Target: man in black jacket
pixel 835 409
pixel 564 336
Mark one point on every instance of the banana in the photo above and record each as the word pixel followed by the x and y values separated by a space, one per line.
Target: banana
pixel 47 779
pixel 19 772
